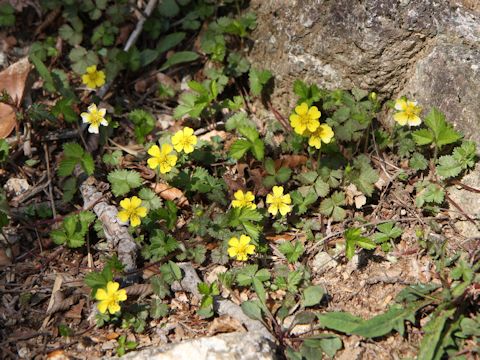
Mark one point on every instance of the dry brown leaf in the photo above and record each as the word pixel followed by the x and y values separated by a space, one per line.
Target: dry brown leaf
pixel 209 135
pixel 225 324
pixel 8 120
pixel 76 311
pixel 57 355
pixel 13 79
pixel 291 161
pixel 171 193
pixel 5 260
pixel 280 237
pixel 112 336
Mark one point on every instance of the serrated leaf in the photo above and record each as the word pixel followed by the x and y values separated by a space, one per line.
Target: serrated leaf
pixel 423 136
pixel 258 149
pixel 418 161
pixel 239 148
pixel 448 166
pixel 258 79
pixel 123 181
pixel 88 164
pixel 332 206
pixel 66 167
pixel 150 199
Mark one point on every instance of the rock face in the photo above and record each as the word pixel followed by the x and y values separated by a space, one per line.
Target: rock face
pixel 233 346
pixel 428 50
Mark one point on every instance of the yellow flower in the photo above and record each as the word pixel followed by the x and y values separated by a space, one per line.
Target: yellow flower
pixel 408 112
pixel 110 298
pixel 132 210
pixel 243 199
pixel 184 140
pixel 241 248
pixel 93 78
pixel 279 202
pixel 324 133
pixel 95 117
pixel 162 158
pixel 305 118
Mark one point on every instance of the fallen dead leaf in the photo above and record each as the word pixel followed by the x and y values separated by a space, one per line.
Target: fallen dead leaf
pixel 12 80
pixel 5 260
pixel 209 135
pixel 280 237
pixel 291 161
pixel 7 120
pixel 225 324
pixel 57 355
pixel 171 193
pixel 76 311
pixel 112 336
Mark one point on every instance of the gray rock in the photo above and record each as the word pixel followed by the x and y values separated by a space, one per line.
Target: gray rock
pixel 469 200
pixel 427 48
pixel 233 346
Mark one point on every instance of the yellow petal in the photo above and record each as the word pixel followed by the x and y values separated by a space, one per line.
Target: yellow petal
pixel 249 196
pixel 273 209
pixel 414 121
pixel 286 199
pixel 91 69
pixel 401 118
pixel 313 113
pixel 301 109
pixel 277 191
pixel 102 306
pixel 123 216
pixel 250 249
pixel 315 142
pixel 188 149
pixel 125 203
pixel 244 240
pixel 166 148
pixel 400 104
pixel 313 125
pixel 233 242
pixel 142 211
pixel 152 163
pixel 294 120
pixel 176 138
pixel 112 287
pixel 242 257
pixel 101 294
pixel 154 150
pixel 232 251
pixel 122 295
pixel 135 202
pixel 172 160
pixel 134 220
pixel 269 198
pixel 86 117
pixel 187 131
pixel 92 108
pixel 113 307
pixel 284 209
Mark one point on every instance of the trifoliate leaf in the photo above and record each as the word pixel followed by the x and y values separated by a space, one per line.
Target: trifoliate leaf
pixel 258 79
pixel 332 206
pixel 423 136
pixel 123 181
pixel 150 199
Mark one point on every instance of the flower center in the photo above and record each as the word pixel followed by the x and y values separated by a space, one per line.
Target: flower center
pixel 410 111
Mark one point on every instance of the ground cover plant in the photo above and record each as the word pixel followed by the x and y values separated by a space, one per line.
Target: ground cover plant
pixel 148 147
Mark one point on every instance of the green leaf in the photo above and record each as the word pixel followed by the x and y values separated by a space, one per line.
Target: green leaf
pixel 252 309
pixel 443 133
pixel 150 199
pixel 87 163
pixel 423 136
pixel 312 295
pixel 73 37
pixel 239 148
pixel 81 59
pixel 418 161
pixel 332 206
pixel 292 251
pixel 433 337
pixel 383 324
pixel 258 149
pixel 246 274
pixel 387 231
pixel 415 292
pixel 123 181
pixel 158 309
pixel 258 79
pixel 249 132
pixel 260 291
pixel 465 154
pixel 170 41
pixel 448 166
pixel 340 321
pixel 179 58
